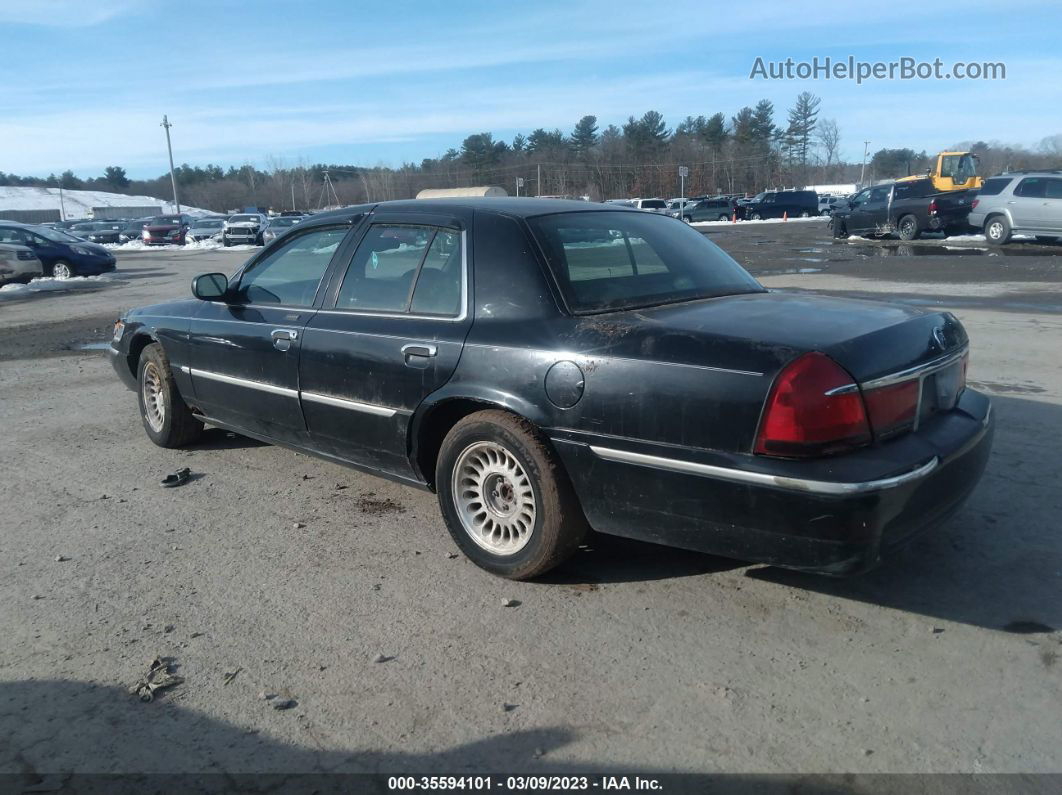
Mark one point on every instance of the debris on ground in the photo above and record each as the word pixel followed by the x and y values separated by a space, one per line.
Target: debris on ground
pixel 510 603
pixel 451 555
pixel 284 703
pixel 229 676
pixel 369 503
pixel 509 707
pixel 178 478
pixel 61 558
pixel 382 658
pixel 266 696
pixel 160 675
pixel 297 526
pixel 584 587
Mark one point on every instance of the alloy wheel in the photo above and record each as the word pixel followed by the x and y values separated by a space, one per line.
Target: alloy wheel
pixel 154 397
pixel 494 498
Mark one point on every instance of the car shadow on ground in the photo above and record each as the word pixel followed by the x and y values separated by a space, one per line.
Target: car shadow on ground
pixel 611 559
pixel 998 562
pixel 221 439
pixel 67 736
pixel 141 273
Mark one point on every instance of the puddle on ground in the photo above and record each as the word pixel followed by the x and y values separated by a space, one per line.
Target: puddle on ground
pixel 93 346
pixel 915 250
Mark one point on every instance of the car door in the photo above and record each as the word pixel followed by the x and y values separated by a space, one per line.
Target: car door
pixel 244 351
pixel 1053 205
pixel 1027 205
pixel 872 212
pixel 391 332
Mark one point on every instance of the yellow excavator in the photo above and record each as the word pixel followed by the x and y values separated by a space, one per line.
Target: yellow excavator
pixel 953 171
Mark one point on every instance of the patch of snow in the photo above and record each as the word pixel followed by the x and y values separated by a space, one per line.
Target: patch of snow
pixel 48 284
pixel 966 239
pixel 199 245
pixel 763 221
pixel 79 203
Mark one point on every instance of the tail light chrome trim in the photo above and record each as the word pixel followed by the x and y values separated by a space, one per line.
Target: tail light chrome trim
pixel 918 371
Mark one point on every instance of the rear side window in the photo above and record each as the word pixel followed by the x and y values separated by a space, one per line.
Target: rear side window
pixel 291 274
pixel 615 260
pixel 1031 188
pixel 653 204
pixel 994 186
pixel 403 268
pixel 1054 189
pixel 912 190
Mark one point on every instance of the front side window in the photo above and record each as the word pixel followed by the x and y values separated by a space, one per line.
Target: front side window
pixel 1054 189
pixel 605 261
pixel 291 274
pixel 9 235
pixel 401 268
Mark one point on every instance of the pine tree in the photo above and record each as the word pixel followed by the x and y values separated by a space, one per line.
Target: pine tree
pixel 584 136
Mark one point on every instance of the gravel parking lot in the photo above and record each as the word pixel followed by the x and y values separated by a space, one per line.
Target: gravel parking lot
pixel 275 573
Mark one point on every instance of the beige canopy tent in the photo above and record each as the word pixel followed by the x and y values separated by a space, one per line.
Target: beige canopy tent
pixel 463 193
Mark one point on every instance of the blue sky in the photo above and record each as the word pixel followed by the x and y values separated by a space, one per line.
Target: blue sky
pixel 85 82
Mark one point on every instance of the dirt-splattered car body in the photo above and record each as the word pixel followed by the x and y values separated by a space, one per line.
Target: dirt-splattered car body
pixel 667 415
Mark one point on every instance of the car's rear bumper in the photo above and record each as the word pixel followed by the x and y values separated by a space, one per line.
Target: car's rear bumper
pixel 835 516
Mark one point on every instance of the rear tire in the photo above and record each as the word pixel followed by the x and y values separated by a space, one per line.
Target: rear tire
pixel 907 228
pixel 505 498
pixel 805 214
pixel 167 419
pixel 997 230
pixel 756 217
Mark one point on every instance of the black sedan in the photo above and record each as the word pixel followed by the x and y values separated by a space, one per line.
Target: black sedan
pixel 549 366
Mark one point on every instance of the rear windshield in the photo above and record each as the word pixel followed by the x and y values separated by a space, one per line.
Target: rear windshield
pixel 166 220
pixel 209 223
pixel 654 204
pixel 239 219
pixel 606 261
pixel 994 186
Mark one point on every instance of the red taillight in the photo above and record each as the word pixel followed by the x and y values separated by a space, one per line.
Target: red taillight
pixel 802 419
pixel 892 409
pixel 933 207
pixel 973 204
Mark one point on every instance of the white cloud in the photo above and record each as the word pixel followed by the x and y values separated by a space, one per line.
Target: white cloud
pixel 63 13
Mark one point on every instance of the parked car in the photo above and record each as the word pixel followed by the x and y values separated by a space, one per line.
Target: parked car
pixel 132 230
pixel 206 229
pixel 19 263
pixel 775 204
pixel 278 226
pixel 96 231
pixel 717 209
pixel 244 228
pixel 651 205
pixel 61 254
pixel 167 230
pixel 543 380
pixel 826 203
pixel 905 208
pixel 1027 202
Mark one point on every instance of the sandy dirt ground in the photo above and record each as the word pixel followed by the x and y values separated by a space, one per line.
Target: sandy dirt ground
pixel 273 573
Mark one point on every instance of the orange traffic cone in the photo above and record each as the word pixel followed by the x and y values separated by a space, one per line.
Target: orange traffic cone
pixel 785 216
pixel 733 218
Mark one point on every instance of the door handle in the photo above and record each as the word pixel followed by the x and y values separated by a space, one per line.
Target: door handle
pixel 283 337
pixel 419 350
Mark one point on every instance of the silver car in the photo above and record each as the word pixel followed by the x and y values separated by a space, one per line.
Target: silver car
pixel 1023 202
pixel 278 226
pixel 19 263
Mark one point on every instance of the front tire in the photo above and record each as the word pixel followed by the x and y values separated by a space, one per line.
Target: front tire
pixel 505 498
pixel 62 270
pixel 907 228
pixel 756 217
pixel 805 214
pixel 167 419
pixel 997 230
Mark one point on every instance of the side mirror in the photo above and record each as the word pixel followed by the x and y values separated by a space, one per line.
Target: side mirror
pixel 210 286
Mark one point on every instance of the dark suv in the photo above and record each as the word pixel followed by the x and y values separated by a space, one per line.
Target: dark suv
pixel 717 209
pixel 775 204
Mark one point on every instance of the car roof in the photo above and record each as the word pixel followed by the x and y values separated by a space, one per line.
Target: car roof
pixel 521 207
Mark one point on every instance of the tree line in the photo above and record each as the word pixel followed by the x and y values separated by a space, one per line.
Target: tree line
pixel 746 152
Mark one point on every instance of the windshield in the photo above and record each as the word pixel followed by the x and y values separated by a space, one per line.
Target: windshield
pixel 55 235
pixel 166 220
pixel 240 219
pixel 284 222
pixel 213 223
pixel 620 260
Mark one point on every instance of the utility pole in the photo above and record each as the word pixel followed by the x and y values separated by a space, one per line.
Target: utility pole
pixel 519 184
pixel 538 183
pixel 293 194
pixel 62 205
pixel 173 176
pixel 863 168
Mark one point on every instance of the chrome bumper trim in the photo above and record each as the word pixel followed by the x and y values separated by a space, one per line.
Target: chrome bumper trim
pixel 829 488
